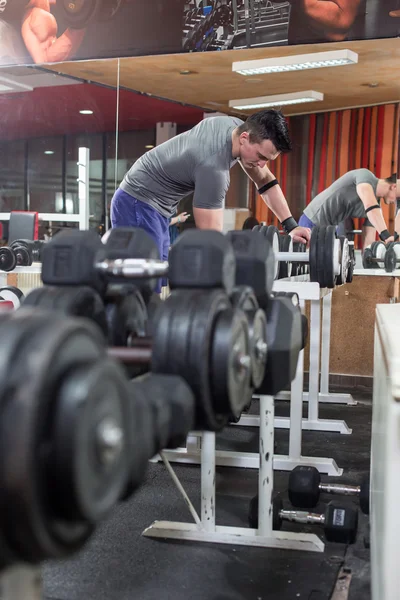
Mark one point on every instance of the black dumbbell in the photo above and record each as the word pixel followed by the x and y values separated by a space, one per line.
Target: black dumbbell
pixel 305 487
pixel 78 432
pixel 340 522
pixel 8 260
pixel 33 247
pixel 378 254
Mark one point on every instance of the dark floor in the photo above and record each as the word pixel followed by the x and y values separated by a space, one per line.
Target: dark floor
pixel 119 564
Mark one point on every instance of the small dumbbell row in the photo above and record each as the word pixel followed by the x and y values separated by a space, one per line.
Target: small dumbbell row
pixel 378 254
pixel 340 522
pixel 20 253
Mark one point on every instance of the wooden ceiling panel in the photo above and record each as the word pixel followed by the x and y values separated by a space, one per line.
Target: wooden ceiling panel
pixel 211 83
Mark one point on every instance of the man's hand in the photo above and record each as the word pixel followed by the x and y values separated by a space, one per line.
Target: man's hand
pixel 183 217
pixel 391 239
pixel 301 234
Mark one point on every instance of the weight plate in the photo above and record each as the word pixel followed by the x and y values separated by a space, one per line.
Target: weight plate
pixel 285 267
pixel 378 251
pixel 91 443
pixel 78 14
pixel 79 301
pixel 244 298
pixel 344 260
pixel 12 294
pixel 390 260
pixel 258 227
pixel 48 349
pixel 367 259
pixel 23 256
pixel 258 345
pixel 231 363
pixel 314 254
pixel 350 271
pixel 8 260
pixel 182 344
pixel 331 256
pixel 152 306
pixel 126 317
pixel 272 235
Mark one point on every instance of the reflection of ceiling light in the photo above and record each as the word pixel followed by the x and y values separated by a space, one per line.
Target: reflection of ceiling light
pixel 49 151
pixel 185 72
pixel 86 112
pixel 278 100
pixel 149 146
pixel 299 62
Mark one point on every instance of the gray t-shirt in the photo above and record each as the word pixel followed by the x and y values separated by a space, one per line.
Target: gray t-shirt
pixel 198 160
pixel 340 200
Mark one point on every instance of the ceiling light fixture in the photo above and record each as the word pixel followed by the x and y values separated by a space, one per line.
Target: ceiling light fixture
pixel 278 100
pixel 149 146
pixel 86 112
pixel 298 62
pixel 49 151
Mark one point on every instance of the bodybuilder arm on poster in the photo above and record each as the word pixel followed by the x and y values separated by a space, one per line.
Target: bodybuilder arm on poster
pixel 39 32
pixel 333 17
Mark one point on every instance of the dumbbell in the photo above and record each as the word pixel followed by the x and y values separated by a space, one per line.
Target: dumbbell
pixel 30 250
pixel 340 522
pixel 305 487
pixel 76 434
pixel 324 255
pixel 255 266
pixel 379 253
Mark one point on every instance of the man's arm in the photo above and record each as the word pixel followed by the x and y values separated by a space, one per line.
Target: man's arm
pixel 208 218
pixel 368 235
pixel 375 216
pixel 275 200
pixel 39 32
pixel 336 16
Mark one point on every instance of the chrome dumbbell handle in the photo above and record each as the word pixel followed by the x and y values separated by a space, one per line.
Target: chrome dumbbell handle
pixel 133 268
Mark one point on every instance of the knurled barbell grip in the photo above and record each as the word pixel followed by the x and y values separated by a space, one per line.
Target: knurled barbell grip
pixel 298 516
pixel 342 490
pixel 133 268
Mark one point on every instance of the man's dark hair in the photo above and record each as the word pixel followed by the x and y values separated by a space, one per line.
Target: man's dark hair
pixel 268 125
pixel 392 178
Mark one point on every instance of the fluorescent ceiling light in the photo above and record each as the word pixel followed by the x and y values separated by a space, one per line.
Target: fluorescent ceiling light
pixel 86 112
pixel 49 151
pixel 149 146
pixel 278 100
pixel 299 62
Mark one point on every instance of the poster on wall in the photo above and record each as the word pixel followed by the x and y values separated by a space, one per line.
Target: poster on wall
pixel 49 31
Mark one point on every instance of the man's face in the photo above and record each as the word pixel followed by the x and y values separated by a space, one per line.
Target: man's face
pixel 391 196
pixel 255 155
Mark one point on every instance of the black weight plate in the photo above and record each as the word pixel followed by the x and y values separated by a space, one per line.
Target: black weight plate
pixel 182 343
pixel 8 260
pixel 378 251
pixel 330 256
pixel 350 271
pixel 91 445
pixel 80 301
pixel 258 345
pixel 78 14
pixel 126 317
pixel 344 260
pixel 52 347
pixel 367 259
pixel 244 298
pixel 314 254
pixel 152 306
pixel 23 256
pixel 321 257
pixel 231 363
pixel 13 294
pixel 258 227
pixel 390 260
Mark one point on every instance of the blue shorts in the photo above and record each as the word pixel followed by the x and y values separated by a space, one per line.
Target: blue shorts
pixel 304 221
pixel 127 211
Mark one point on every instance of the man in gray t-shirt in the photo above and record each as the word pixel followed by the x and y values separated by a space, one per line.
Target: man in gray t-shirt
pixel 198 161
pixel 354 195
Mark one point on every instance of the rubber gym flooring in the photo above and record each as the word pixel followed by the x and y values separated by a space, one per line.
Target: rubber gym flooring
pixel 119 564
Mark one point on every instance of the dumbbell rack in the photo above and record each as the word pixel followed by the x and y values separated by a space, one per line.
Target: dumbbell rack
pixel 307 291
pixel 204 529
